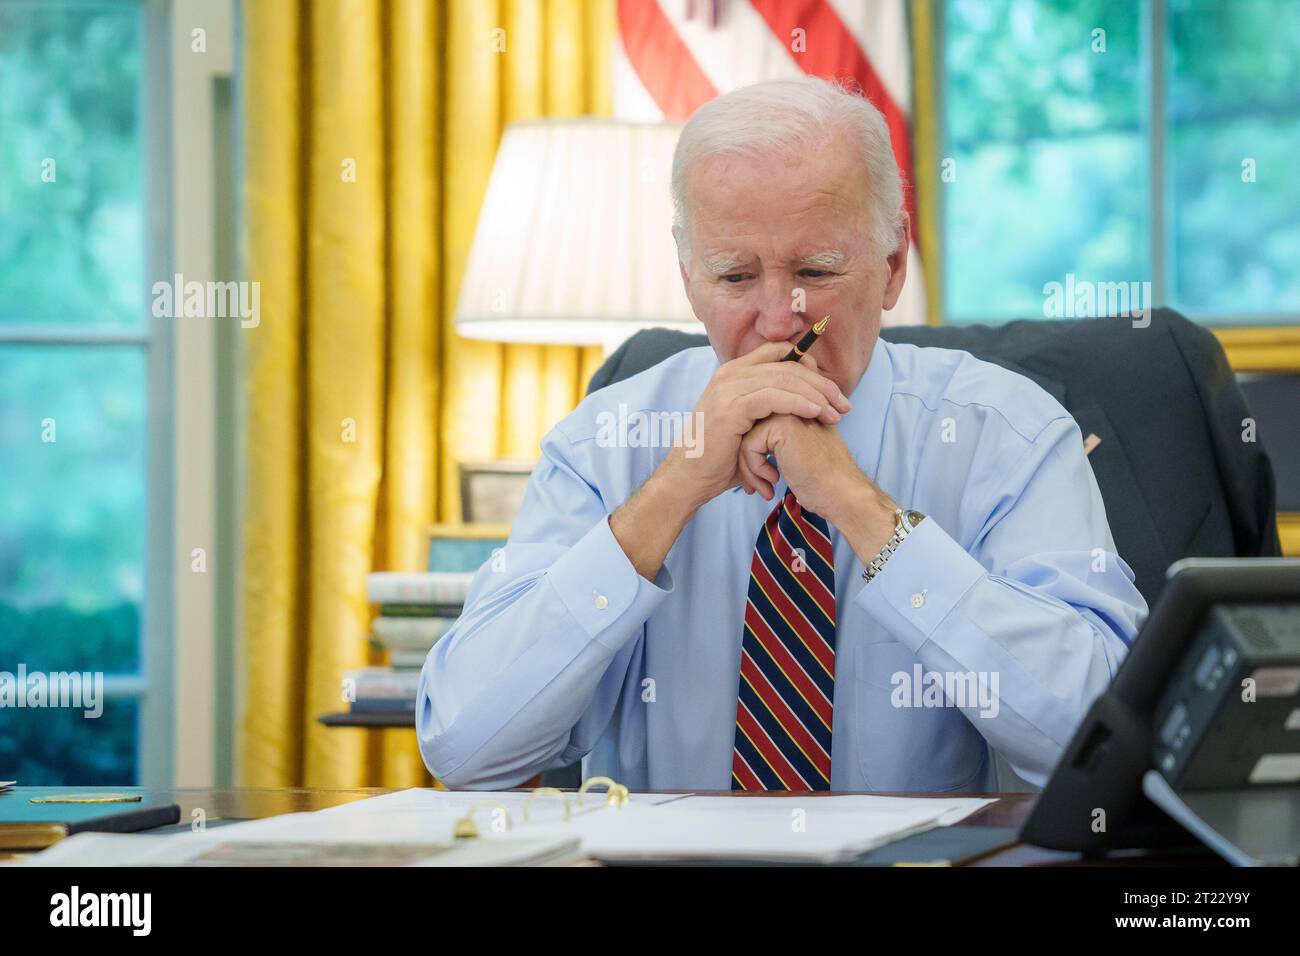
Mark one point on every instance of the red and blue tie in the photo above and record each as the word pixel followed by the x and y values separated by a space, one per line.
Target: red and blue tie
pixel 787 657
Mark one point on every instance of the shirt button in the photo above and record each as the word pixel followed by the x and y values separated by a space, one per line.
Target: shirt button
pixel 918 599
pixel 601 602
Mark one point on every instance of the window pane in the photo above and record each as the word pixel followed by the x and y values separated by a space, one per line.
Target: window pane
pixel 72 506
pixel 1044 125
pixel 71 223
pixel 1234 134
pixel 1063 207
pixel 61 746
pixel 1017 69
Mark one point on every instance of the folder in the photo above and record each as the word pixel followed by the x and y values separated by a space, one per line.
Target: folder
pixel 29 825
pixel 725 829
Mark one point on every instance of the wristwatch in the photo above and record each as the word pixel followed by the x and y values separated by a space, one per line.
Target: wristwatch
pixel 904 522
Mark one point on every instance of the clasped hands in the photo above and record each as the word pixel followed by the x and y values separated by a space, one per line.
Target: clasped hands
pixel 757 405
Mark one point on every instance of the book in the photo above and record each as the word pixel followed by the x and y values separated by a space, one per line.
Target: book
pixel 416 609
pixel 383 705
pixel 381 689
pixel 464 547
pixel 382 682
pixel 25 825
pixel 420 610
pixel 409 633
pixel 423 587
pixel 407 660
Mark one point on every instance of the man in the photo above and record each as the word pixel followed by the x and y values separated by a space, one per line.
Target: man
pixel 696 616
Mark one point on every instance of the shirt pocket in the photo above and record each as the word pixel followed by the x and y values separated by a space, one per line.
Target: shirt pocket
pixel 910 747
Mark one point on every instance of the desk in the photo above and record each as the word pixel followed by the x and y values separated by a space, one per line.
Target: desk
pixel 250 803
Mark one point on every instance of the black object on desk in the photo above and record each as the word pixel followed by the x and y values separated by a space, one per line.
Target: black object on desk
pixel 25 825
pixel 1169 710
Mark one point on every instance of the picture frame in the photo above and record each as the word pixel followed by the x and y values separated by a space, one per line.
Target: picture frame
pixel 492 491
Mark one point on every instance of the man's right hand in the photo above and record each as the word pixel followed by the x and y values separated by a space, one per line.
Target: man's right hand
pixel 744 391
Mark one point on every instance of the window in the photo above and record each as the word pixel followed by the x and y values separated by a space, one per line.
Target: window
pixel 1233 134
pixel 1055 171
pixel 82 372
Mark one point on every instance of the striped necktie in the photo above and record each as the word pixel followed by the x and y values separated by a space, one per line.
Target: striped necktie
pixel 787 657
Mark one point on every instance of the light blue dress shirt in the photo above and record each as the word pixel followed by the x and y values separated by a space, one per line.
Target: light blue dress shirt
pixel 1011 584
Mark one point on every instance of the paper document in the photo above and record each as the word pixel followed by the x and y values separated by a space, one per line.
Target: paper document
pixel 950 809
pixel 459 802
pixel 664 827
pixel 667 833
pixel 135 849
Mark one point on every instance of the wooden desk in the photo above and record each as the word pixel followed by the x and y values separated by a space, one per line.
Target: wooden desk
pixel 251 803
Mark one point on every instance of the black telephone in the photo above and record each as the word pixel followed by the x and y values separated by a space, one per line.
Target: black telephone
pixel 1197 739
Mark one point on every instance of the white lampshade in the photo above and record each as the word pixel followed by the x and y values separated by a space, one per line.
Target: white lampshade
pixel 574 242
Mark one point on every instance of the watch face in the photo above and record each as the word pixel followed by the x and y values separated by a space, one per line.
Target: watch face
pixel 912 518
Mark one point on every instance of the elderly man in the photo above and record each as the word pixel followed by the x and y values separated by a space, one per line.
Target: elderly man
pixel 867 570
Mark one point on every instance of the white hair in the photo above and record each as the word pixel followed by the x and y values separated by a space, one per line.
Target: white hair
pixel 790 117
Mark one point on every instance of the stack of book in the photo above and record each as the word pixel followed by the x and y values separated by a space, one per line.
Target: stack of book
pixel 415 611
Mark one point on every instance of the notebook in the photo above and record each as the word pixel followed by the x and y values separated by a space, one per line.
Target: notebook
pixel 25 825
pixel 620 827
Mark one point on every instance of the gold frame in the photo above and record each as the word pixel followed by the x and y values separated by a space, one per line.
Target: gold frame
pixel 1261 348
pixel 1288 529
pixel 1267 349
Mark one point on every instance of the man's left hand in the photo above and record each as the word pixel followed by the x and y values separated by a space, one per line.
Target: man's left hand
pixel 821 471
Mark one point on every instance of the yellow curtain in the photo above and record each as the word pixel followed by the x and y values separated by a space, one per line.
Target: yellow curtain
pixel 925 153
pixel 370 127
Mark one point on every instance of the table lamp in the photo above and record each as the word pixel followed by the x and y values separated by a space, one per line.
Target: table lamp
pixel 574 243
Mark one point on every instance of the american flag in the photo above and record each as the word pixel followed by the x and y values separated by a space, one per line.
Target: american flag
pixel 676 55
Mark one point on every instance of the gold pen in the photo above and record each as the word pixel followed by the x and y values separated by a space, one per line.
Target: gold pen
pixel 805 343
